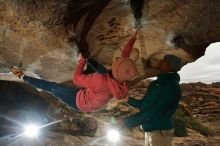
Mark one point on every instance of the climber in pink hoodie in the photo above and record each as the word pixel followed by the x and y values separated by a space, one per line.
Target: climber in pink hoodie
pixel 96 89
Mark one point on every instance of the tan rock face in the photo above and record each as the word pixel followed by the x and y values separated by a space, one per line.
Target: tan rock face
pixel 41 35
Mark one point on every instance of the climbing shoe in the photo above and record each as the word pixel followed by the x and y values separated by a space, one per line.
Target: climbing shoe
pixel 17 72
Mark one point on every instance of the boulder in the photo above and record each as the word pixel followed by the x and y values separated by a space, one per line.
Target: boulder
pixel 40 36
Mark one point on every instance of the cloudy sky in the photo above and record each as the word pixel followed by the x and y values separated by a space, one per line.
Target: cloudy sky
pixel 206 69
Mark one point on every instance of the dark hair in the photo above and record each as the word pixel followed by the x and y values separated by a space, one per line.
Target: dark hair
pixel 174 61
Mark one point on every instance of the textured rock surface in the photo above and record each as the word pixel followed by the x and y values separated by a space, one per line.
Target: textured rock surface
pixel 22 104
pixel 204 103
pixel 40 35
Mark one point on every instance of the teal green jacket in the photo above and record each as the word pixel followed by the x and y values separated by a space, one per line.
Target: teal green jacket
pixel 158 105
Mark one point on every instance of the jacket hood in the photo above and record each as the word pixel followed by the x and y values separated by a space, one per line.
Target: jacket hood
pixel 124 69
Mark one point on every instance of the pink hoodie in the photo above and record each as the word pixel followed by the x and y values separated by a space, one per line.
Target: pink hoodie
pixel 97 89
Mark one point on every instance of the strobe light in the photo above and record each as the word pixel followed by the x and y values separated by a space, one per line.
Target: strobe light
pixel 113 135
pixel 31 130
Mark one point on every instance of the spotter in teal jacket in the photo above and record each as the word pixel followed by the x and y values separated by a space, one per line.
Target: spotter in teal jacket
pixel 158 105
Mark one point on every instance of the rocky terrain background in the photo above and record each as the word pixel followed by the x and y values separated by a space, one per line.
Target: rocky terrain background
pixel 200 102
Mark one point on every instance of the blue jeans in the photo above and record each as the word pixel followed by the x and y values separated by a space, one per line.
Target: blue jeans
pixel 65 94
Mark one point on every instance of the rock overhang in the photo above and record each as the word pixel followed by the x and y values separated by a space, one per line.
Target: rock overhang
pixel 41 36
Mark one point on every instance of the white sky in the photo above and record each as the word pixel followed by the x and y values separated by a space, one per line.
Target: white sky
pixel 206 69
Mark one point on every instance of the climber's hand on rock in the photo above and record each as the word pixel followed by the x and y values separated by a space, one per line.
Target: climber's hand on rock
pixel 134 35
pixel 137 23
pixel 80 58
